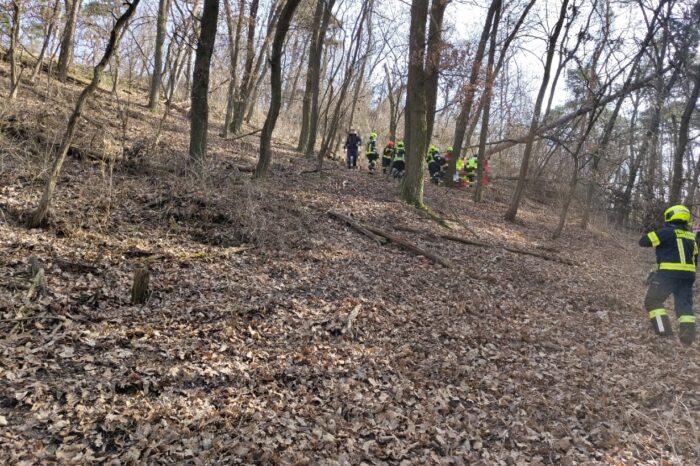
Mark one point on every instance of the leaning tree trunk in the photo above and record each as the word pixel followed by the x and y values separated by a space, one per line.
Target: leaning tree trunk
pixel 530 140
pixel 199 123
pixel 39 215
pixel 677 180
pixel 14 45
pixel 275 86
pixel 156 78
pixel 65 58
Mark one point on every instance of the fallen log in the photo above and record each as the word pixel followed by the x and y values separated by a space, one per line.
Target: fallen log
pixel 377 233
pixel 470 242
pixel 358 226
pixel 76 267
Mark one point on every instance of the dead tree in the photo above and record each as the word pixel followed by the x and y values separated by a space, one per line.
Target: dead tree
pixel 39 215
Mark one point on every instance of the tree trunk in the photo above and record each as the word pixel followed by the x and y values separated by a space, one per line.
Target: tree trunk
pixel 234 39
pixel 65 58
pixel 199 118
pixel 469 91
pixel 486 101
pixel 314 57
pixel 415 132
pixel 140 287
pixel 14 46
pixel 520 185
pixel 39 215
pixel 239 104
pixel 275 86
pixel 315 84
pixel 432 67
pixel 50 28
pixel 677 180
pixel 154 90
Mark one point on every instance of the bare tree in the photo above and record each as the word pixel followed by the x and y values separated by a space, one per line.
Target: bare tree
pixel 39 215
pixel 65 58
pixel 281 30
pixel 551 47
pixel 199 113
pixel 156 77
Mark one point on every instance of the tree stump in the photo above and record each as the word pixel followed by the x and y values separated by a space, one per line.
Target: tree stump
pixel 36 272
pixel 139 290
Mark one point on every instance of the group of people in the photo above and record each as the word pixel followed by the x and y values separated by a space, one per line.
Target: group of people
pixel 393 160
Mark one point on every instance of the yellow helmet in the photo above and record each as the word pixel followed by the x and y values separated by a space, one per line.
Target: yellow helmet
pixel 678 213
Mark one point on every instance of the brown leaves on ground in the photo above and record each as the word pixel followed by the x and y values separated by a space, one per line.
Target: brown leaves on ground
pixel 247 356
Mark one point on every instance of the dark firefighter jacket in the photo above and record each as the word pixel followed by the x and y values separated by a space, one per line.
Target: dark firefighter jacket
pixel 676 250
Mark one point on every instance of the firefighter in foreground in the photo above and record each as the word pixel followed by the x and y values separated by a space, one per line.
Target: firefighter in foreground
pixel 676 255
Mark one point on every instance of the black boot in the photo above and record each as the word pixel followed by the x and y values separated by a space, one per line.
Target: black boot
pixel 686 333
pixel 661 325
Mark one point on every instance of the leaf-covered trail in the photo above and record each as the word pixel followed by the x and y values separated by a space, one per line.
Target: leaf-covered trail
pixel 242 358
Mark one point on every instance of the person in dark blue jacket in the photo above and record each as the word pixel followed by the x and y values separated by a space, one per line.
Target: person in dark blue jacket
pixel 676 256
pixel 352 146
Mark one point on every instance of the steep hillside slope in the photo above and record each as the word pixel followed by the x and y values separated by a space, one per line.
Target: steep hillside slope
pixel 246 352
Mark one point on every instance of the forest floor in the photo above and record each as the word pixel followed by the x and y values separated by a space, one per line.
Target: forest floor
pixel 243 354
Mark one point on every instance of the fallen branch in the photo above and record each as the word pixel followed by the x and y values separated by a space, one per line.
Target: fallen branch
pixel 382 236
pixel 241 136
pixel 358 226
pixel 351 318
pixel 80 267
pixel 509 249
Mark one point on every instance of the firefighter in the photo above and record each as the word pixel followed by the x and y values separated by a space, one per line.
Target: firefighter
pixel 470 168
pixel 676 256
pixel 398 165
pixel 437 161
pixel 371 152
pixel 387 156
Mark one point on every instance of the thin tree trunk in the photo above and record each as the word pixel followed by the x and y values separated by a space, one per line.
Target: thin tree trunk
pixel 50 28
pixel 469 91
pixel 520 185
pixel 65 58
pixel 199 122
pixel 486 100
pixel 275 86
pixel 677 180
pixel 14 46
pixel 234 44
pixel 432 67
pixel 314 56
pixel 156 78
pixel 315 84
pixel 239 105
pixel 39 215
